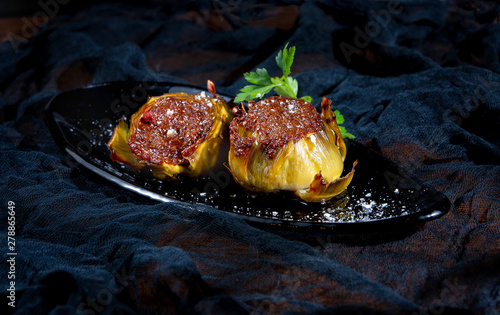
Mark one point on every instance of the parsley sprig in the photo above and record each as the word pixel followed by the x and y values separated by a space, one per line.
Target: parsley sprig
pixel 340 121
pixel 263 83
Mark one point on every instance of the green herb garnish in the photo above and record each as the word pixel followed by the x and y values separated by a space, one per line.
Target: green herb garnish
pixel 340 121
pixel 284 85
pixel 263 83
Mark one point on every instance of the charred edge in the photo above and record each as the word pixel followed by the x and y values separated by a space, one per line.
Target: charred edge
pixel 211 88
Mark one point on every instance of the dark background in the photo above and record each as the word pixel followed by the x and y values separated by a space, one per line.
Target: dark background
pixel 30 7
pixel 423 90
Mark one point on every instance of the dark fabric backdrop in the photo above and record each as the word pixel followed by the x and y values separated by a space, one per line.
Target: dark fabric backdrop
pixel 416 80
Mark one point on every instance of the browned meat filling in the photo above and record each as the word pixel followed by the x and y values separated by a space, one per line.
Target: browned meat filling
pixel 275 121
pixel 170 130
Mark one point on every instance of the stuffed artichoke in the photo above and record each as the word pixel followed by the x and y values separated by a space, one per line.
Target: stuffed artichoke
pixel 174 134
pixel 283 144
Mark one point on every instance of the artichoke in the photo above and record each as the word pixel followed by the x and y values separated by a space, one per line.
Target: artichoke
pixel 283 144
pixel 174 134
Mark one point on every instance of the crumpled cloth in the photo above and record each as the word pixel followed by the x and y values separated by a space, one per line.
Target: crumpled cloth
pixel 418 81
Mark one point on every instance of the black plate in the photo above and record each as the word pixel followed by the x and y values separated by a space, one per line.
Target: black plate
pixel 82 122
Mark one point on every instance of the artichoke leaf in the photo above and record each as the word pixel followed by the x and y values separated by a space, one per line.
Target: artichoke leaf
pixel 292 168
pixel 120 150
pixel 205 157
pixel 329 118
pixel 320 191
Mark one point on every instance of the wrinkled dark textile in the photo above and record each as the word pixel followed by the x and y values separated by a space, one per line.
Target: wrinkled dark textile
pixel 419 81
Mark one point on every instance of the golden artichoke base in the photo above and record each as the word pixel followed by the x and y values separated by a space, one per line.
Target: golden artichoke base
pixel 321 191
pixel 311 167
